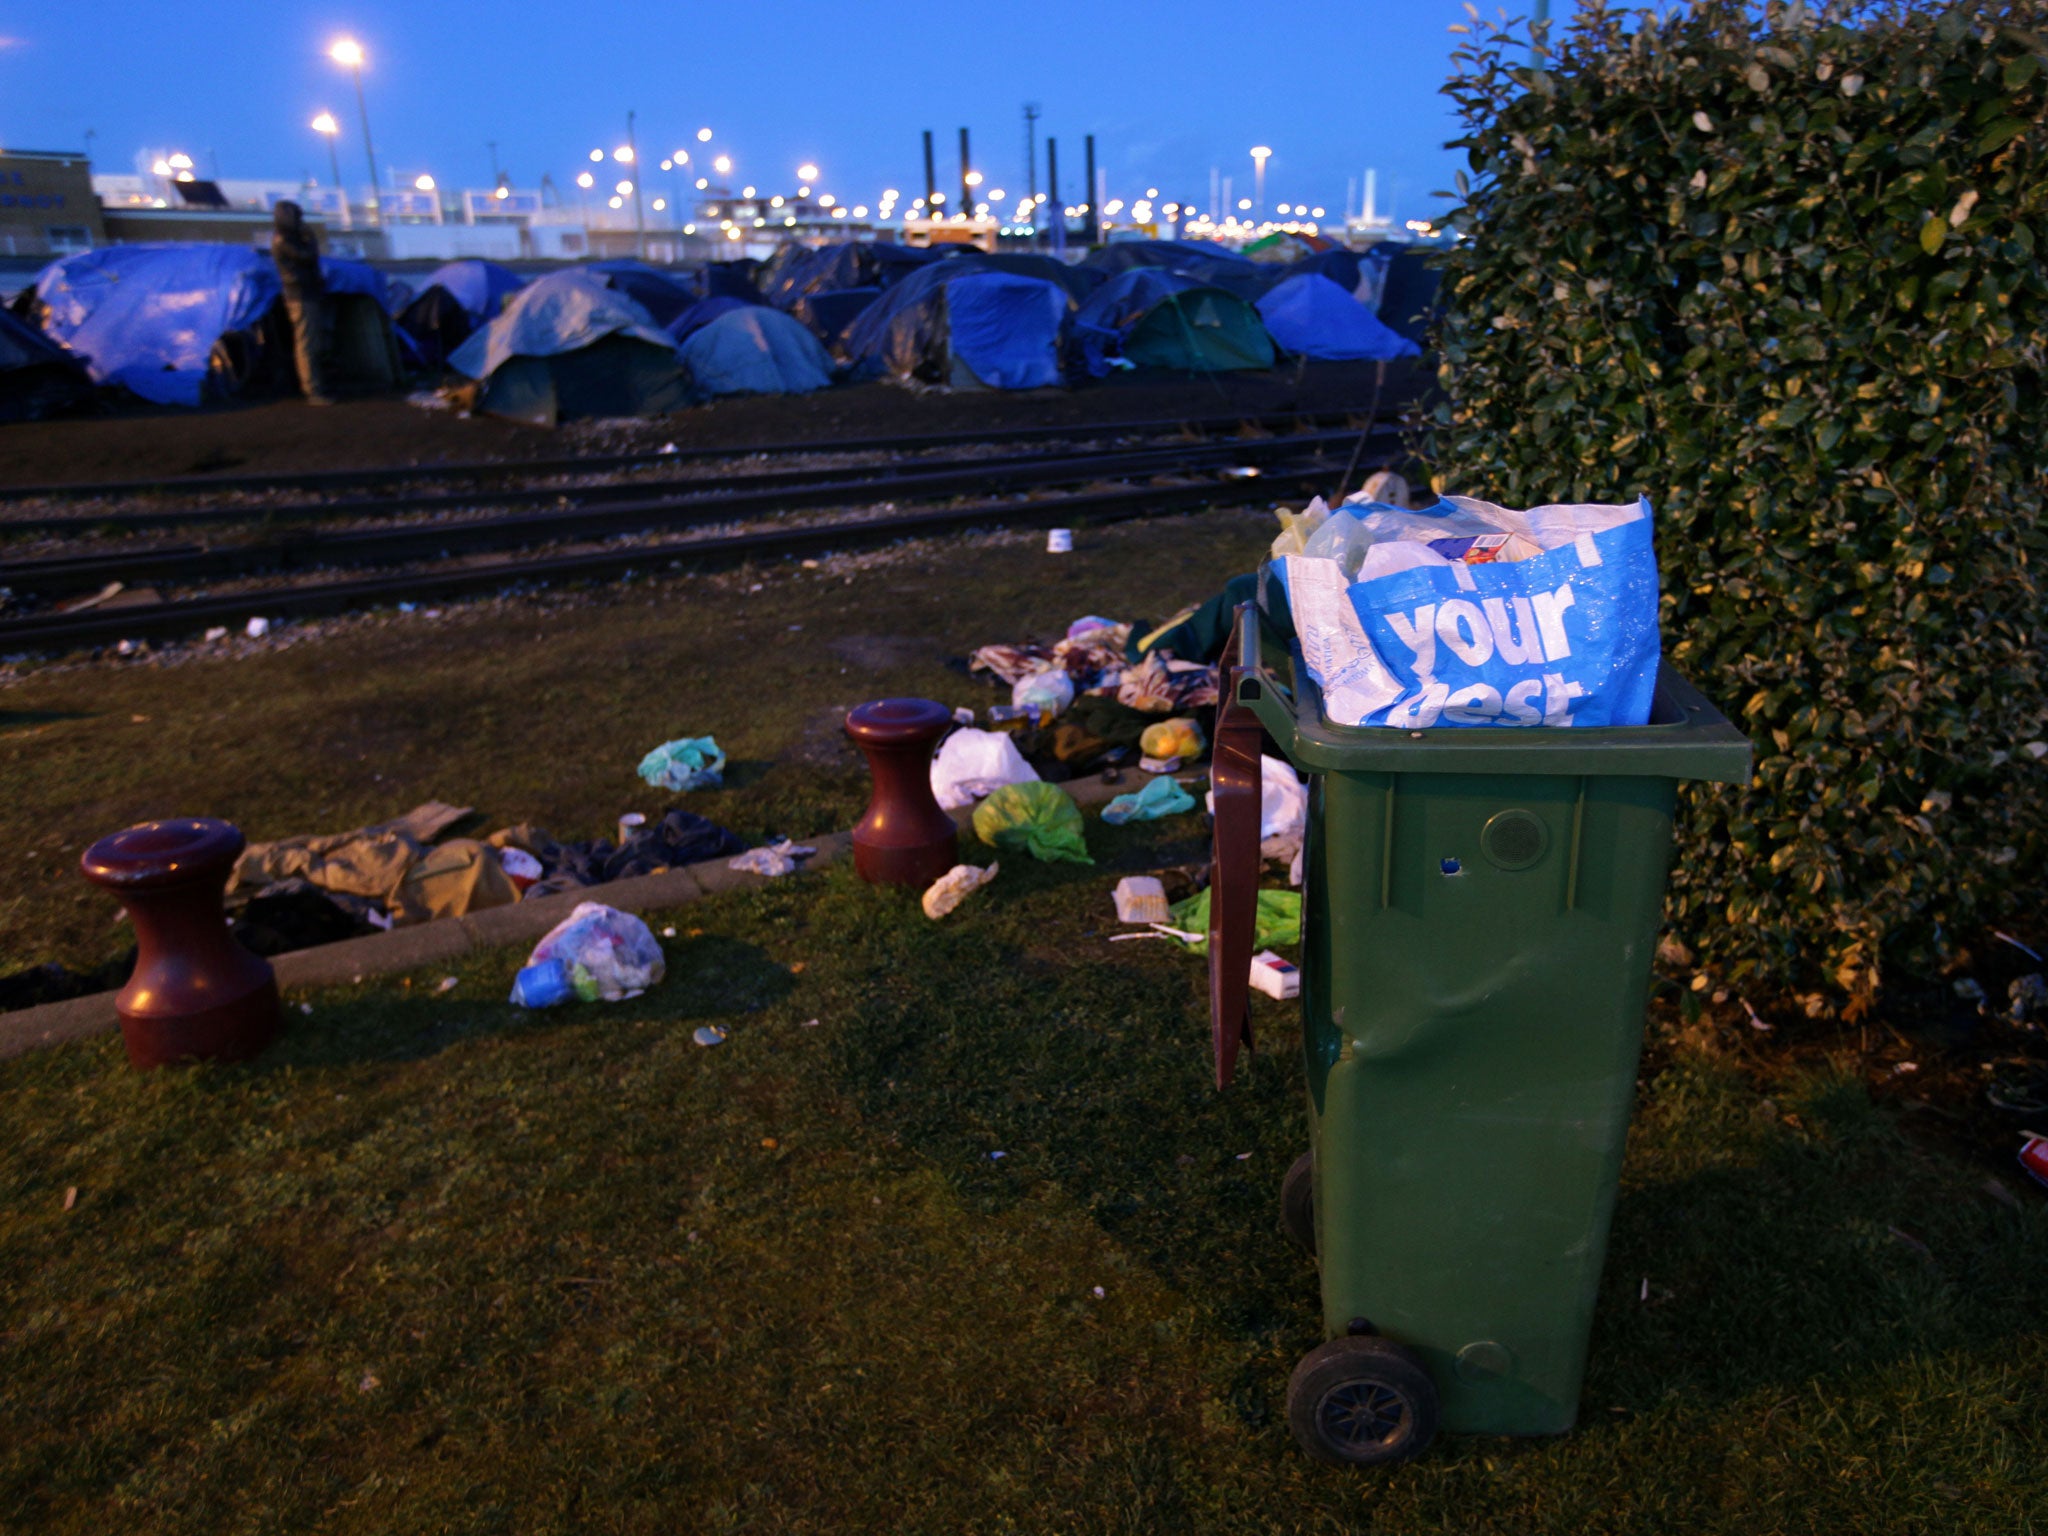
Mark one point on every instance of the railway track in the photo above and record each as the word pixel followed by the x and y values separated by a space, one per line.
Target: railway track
pixel 185 617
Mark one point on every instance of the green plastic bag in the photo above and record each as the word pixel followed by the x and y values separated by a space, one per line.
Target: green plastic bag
pixel 691 762
pixel 1278 922
pixel 1037 817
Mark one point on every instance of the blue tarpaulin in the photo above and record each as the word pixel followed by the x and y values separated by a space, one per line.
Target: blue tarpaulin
pixel 1311 316
pixel 754 350
pixel 562 312
pixel 702 313
pixel 480 287
pixel 1011 328
pixel 146 316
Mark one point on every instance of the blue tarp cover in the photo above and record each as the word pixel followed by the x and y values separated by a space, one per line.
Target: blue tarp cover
pixel 480 287
pixel 1101 323
pixel 1309 315
pixel 701 314
pixel 146 316
pixel 905 331
pixel 754 350
pixel 562 312
pixel 1006 328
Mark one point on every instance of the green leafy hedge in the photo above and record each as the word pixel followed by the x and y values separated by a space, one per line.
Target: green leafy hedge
pixel 1782 271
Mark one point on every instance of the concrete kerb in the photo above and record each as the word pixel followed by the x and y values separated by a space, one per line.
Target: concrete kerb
pixel 449 938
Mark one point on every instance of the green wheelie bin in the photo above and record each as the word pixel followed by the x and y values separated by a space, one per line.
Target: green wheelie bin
pixel 1480 908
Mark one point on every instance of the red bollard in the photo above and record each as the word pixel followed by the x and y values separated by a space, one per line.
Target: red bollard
pixel 904 839
pixel 196 994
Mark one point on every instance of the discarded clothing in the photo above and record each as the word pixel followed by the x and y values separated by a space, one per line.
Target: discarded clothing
pixel 1160 798
pixel 679 838
pixel 461 875
pixel 295 914
pixel 1163 685
pixel 1278 920
pixel 691 762
pixel 369 861
pixel 1039 818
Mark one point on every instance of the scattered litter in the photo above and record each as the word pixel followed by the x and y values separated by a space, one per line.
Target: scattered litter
pixel 2034 1158
pixel 1905 1068
pixel 1140 899
pixel 666 448
pixel 1277 923
pixel 777 858
pixel 1275 977
pixel 1644 1293
pixel 595 952
pixel 971 764
pixel 630 823
pixel 1159 765
pixel 954 887
pixel 1100 1293
pixel 1038 817
pixel 408 607
pixel 1180 738
pixel 689 762
pixel 1160 798
pixel 1283 800
pixel 1297 527
pixel 520 867
pixel 2006 938
pixel 256 629
pixel 1088 625
pixel 446 984
pixel 369 1383
pixel 1242 1156
pixel 216 633
pixel 305 1008
pixel 810 565
pixel 1049 692
pixel 1754 1021
pixel 1059 541
pixel 711 1034
pixel 964 715
pixel 2028 995
pixel 669 932
pixel 769 1142
pixel 377 918
pixel 71 1197
pixel 997 1156
pixel 1162 932
pixel 1970 989
pixel 808 1024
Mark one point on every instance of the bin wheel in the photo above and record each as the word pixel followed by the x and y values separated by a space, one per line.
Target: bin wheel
pixel 1361 1401
pixel 1298 1203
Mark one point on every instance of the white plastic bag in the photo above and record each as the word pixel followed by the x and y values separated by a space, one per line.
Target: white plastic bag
pixel 607 953
pixel 971 764
pixel 1051 689
pixel 1283 800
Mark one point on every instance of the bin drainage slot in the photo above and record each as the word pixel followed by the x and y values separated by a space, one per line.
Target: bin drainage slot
pixel 1452 867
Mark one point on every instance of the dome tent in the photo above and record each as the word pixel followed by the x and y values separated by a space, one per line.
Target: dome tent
pixel 568 346
pixel 956 323
pixel 38 378
pixel 454 301
pixel 1154 318
pixel 1309 315
pixel 755 350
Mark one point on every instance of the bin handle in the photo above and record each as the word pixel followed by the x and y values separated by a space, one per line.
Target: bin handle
pixel 1234 851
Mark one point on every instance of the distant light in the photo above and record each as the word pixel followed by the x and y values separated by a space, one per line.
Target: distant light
pixel 804 191
pixel 624 189
pixel 703 135
pixel 161 168
pixel 973 178
pixel 1316 213
pixel 586 181
pixel 181 162
pixel 837 213
pixel 502 193
pixel 760 223
pixel 596 155
pixel 711 212
pixel 681 157
pixel 1151 191
pixel 981 210
pixel 702 184
pixel 689 229
pixel 423 183
pixel 722 165
pixel 184 175
pixel 774 202
pixel 860 212
pixel 660 203
pixel 1260 152
pixel 347 52
pixel 826 199
pixel 938 198
pixel 668 165
pixel 623 154
pixel 324 123
pixel 807 173
pixel 1244 203
pixel 889 195
pixel 746 191
pixel 1172 209
pixel 996 195
pixel 790 219
pixel 618 202
pixel 732 234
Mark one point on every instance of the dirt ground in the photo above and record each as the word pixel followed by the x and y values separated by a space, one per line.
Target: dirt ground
pixel 281 437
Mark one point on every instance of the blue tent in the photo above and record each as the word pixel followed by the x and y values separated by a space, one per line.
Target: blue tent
pixel 796 271
pixel 37 377
pixel 829 316
pixel 1310 315
pixel 1202 260
pixel 702 313
pixel 1002 331
pixel 149 317
pixel 569 345
pixel 1153 317
pixel 754 350
pixel 662 296
pixel 480 287
pixel 454 301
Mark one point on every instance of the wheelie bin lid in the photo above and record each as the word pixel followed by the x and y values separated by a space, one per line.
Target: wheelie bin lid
pixel 1686 738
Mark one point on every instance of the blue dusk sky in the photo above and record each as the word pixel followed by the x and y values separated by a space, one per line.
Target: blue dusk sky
pixel 1169 91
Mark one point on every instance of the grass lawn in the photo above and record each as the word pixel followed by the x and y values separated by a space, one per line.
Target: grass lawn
pixel 435 1265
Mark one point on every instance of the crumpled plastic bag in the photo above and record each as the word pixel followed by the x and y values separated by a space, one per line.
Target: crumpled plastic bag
pixel 1162 797
pixel 1040 818
pixel 595 952
pixel 1296 528
pixel 972 763
pixel 954 887
pixel 772 859
pixel 1277 922
pixel 689 762
pixel 1051 689
pixel 1283 800
pixel 1181 738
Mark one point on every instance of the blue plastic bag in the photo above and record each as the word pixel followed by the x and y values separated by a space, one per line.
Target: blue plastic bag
pixel 1436 631
pixel 1162 797
pixel 692 762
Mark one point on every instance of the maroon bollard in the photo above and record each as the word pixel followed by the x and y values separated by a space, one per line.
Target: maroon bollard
pixel 196 994
pixel 904 839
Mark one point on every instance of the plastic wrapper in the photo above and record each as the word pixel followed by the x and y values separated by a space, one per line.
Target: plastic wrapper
pixel 1181 738
pixel 970 764
pixel 1283 800
pixel 1278 921
pixel 690 762
pixel 596 952
pixel 1162 797
pixel 954 887
pixel 1051 689
pixel 1041 819
pixel 1297 527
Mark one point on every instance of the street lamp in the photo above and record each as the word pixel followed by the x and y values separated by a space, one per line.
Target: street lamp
pixel 348 53
pixel 327 127
pixel 722 165
pixel 1260 154
pixel 807 172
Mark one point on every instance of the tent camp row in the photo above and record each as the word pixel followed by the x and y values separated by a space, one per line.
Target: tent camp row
pixel 182 324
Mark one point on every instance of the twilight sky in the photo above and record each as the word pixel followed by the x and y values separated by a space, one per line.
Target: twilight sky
pixel 1333 86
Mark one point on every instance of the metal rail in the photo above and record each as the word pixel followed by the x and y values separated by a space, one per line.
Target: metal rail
pixel 170 620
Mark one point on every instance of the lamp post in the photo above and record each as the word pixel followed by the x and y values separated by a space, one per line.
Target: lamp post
pixel 348 53
pixel 1260 154
pixel 327 128
pixel 639 209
